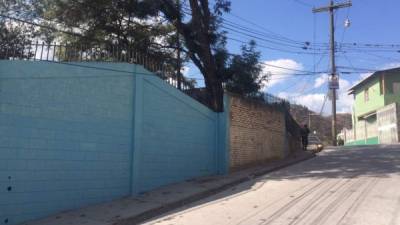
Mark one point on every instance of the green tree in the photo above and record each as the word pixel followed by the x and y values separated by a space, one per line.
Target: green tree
pixel 126 23
pixel 14 36
pixel 204 42
pixel 244 75
pixel 153 26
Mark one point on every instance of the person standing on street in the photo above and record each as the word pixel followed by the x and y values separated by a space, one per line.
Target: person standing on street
pixel 304 132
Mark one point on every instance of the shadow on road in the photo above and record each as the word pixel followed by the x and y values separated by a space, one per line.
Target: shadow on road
pixel 345 162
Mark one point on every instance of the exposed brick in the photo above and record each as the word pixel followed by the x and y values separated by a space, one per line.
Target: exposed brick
pixel 257 133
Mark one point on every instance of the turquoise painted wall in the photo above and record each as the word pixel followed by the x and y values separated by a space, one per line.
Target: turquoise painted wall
pixel 368 141
pixel 82 133
pixel 176 138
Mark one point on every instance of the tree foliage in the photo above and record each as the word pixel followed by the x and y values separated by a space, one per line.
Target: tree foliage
pixel 244 75
pixel 14 35
pixel 152 27
pixel 127 23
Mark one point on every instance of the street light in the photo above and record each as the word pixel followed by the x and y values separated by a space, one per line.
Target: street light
pixel 347 23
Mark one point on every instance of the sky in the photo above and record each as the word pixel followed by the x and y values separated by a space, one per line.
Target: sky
pixel 283 27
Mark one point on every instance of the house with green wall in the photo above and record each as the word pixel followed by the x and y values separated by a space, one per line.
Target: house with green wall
pixel 375 109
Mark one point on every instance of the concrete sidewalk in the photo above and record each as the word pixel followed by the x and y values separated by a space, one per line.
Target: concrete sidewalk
pixel 134 210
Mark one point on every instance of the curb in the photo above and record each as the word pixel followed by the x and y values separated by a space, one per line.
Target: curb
pixel 201 195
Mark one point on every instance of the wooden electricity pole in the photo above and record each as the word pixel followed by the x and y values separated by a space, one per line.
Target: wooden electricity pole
pixel 331 8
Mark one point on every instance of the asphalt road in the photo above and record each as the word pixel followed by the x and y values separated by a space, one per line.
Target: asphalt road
pixel 353 186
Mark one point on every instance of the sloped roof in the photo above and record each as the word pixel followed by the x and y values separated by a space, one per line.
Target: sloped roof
pixel 375 74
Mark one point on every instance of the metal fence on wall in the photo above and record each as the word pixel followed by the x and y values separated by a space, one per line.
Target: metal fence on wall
pixel 60 52
pixel 271 99
pixel 64 52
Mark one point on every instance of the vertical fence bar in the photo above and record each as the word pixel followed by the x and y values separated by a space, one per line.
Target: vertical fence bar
pixel 86 47
pixel 76 53
pixel 54 51
pixel 21 55
pixel 113 52
pixel 13 52
pixel 23 51
pixel 129 54
pixel 117 52
pixel 41 51
pixel 48 50
pixel 60 52
pixel 6 54
pixel 65 52
pixel 81 53
pixel 36 48
pixel 29 51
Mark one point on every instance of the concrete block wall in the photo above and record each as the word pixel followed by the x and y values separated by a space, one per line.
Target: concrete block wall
pixel 257 133
pixel 176 138
pixel 65 136
pixel 74 134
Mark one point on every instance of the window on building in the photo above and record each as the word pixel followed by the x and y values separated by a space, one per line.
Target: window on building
pixel 366 95
pixel 396 87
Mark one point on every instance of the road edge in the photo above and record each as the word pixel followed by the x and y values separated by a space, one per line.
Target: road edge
pixel 168 207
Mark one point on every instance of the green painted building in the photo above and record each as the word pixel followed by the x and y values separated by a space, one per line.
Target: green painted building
pixel 375 109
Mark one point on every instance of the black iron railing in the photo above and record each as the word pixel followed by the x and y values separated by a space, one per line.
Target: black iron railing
pixel 57 52
pixel 271 99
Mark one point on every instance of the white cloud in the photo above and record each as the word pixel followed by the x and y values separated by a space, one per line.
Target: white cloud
pixel 390 65
pixel 315 101
pixel 279 75
pixel 312 101
pixel 320 80
pixel 185 70
pixel 365 75
pixel 344 85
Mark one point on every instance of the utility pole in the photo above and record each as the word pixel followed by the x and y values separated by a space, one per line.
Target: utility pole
pixel 178 50
pixel 309 118
pixel 334 78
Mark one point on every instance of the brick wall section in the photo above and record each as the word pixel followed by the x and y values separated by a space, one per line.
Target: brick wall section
pixel 257 133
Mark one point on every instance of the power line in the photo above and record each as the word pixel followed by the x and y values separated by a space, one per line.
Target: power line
pixel 41 25
pixel 331 8
pixel 303 3
pixel 358 69
pixel 307 82
pixel 265 29
pixel 323 104
pixel 273 48
pixel 269 33
pixel 381 57
pixel 262 36
pixel 76 34
pixel 290 69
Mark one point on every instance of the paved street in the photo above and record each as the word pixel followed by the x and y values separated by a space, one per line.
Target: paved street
pixel 343 186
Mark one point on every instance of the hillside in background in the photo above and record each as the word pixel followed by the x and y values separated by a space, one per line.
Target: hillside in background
pixel 321 124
